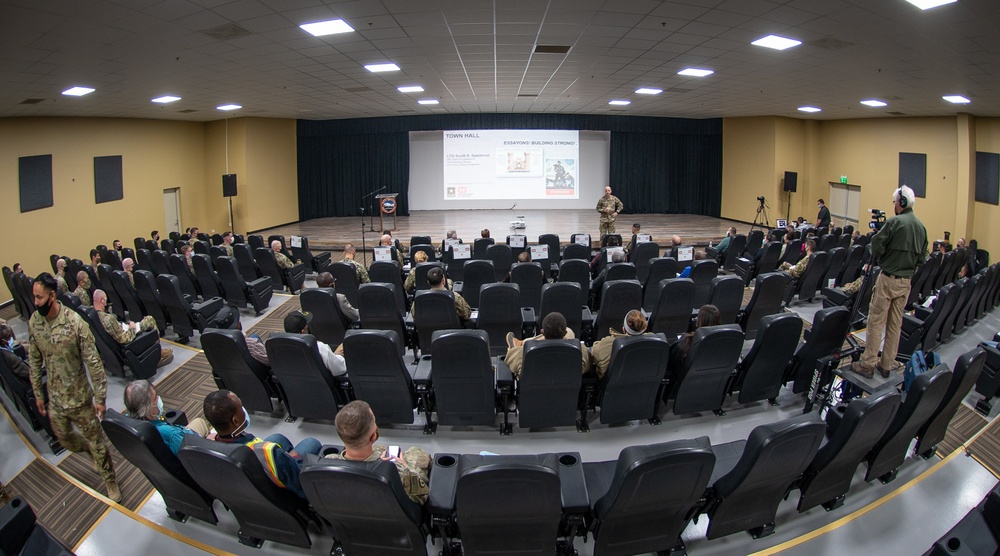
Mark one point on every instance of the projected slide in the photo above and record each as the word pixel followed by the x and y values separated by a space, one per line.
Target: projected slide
pixel 489 164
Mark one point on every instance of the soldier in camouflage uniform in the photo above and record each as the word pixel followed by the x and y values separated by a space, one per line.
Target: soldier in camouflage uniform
pixel 362 272
pixel 608 206
pixel 227 243
pixel 61 285
pixel 359 432
pixel 124 334
pixel 435 278
pixel 62 341
pixel 799 268
pixel 279 257
pixel 82 290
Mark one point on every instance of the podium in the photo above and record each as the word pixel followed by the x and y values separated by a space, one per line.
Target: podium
pixel 386 206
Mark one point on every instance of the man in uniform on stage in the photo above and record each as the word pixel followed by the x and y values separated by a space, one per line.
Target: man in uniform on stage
pixel 899 246
pixel 608 206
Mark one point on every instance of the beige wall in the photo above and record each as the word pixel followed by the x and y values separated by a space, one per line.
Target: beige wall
pixel 748 147
pixel 156 155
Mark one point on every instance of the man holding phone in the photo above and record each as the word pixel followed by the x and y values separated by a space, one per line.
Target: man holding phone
pixel 359 432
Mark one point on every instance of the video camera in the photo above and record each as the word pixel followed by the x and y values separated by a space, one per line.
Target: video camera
pixel 878 219
pixel 760 198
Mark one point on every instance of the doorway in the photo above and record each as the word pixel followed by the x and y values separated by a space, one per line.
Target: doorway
pixel 172 209
pixel 844 205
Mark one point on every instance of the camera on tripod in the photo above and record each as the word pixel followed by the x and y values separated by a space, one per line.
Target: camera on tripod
pixel 761 199
pixel 878 219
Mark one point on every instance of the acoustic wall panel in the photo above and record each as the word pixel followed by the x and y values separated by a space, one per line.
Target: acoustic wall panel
pixel 988 178
pixel 35 181
pixel 913 172
pixel 108 179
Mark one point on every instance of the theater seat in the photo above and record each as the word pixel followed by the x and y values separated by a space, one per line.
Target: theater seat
pixel 239 292
pixel 310 391
pixel 967 370
pixel 765 300
pixel 379 376
pixel 185 317
pixel 381 308
pixel 292 278
pixel 208 280
pixel 20 533
pixel 499 314
pixel 232 364
pixel 141 444
pixel 672 314
pixel 433 310
pixel 631 388
pixel 827 336
pixel 698 382
pixel 548 392
pixel 141 355
pixel 618 298
pixel 760 374
pixel 314 262
pixel 329 324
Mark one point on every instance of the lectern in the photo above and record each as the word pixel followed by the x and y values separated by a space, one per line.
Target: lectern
pixel 387 206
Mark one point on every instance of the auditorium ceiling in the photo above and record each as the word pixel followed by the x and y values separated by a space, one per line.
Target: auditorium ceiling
pixel 497 56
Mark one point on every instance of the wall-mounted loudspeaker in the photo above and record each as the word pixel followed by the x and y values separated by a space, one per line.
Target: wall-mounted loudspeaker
pixel 791 181
pixel 229 185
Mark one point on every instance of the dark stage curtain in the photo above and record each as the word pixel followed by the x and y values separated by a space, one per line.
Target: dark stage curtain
pixel 661 165
pixel 661 173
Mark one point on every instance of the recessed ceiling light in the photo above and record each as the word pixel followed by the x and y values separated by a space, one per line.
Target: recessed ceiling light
pixel 776 42
pixel 695 72
pixel 928 4
pixel 956 99
pixel 648 91
pixel 410 89
pixel 620 102
pixel 809 109
pixel 78 91
pixel 378 68
pixel 330 27
pixel 428 101
pixel 166 99
pixel 228 107
pixel 874 103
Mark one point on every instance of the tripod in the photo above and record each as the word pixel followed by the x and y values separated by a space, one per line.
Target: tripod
pixel 761 219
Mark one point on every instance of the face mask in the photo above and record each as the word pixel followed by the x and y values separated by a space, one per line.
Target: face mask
pixel 159 405
pixel 244 426
pixel 44 308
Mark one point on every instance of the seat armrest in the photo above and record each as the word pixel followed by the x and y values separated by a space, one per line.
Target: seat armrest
pixel 911 324
pixel 297 269
pixel 441 499
pixel 587 316
pixel 187 297
pixel 143 341
pixel 573 484
pixel 505 377
pixel 175 417
pixel 261 284
pixel 922 313
pixel 422 375
pixel 209 307
pixel 322 257
pixel 527 322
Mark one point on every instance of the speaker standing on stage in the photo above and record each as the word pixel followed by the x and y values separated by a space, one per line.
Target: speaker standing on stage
pixel 608 206
pixel 899 246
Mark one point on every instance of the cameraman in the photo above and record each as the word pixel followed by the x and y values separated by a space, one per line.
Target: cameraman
pixel 898 246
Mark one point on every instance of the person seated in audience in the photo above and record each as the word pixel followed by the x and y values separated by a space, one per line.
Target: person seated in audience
pixel 124 333
pixel 451 234
pixel 280 259
pixel 14 355
pixel 553 328
pixel 698 256
pixel 633 325
pixel 771 238
pixel 786 241
pixel 95 258
pixel 595 263
pixel 82 290
pixel 387 241
pixel 358 431
pixel 598 283
pixel 227 243
pixel 142 403
pixel 525 257
pixel 636 227
pixel 127 265
pixel 117 245
pixel 436 281
pixel 362 272
pixel 484 233
pixel 410 285
pixel 297 322
pixel 800 267
pixel 188 253
pixel 723 245
pixel 675 242
pixel 802 224
pixel 708 315
pixel 155 236
pixel 326 280
pixel 61 285
pixel 395 242
pixel 224 411
pixel 255 345
pixel 194 236
pixel 18 270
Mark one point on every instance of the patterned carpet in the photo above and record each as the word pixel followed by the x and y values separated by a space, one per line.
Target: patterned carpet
pixel 986 448
pixel 66 511
pixel 133 484
pixel 963 426
pixel 8 312
pixel 275 319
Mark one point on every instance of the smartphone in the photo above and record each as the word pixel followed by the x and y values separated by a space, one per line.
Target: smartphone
pixel 393 452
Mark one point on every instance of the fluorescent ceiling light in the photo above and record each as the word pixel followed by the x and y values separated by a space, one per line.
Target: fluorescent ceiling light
pixel 166 99
pixel 928 4
pixel 228 107
pixel 776 42
pixel 695 72
pixel 809 109
pixel 620 102
pixel 78 91
pixel 410 89
pixel 648 91
pixel 330 27
pixel 956 99
pixel 378 68
pixel 874 103
pixel 428 101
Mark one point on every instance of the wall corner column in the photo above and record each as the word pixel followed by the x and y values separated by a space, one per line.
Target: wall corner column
pixel 965 206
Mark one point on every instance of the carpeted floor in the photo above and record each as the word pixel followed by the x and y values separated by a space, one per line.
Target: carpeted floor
pixel 986 448
pixel 133 484
pixel 963 426
pixel 8 312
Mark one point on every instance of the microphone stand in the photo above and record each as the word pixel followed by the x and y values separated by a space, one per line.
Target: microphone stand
pixel 371 215
pixel 364 248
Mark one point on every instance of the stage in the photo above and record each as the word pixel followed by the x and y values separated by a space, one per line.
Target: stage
pixel 333 233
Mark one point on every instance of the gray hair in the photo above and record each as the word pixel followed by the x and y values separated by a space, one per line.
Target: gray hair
pixel 137 398
pixel 617 257
pixel 907 194
pixel 99 295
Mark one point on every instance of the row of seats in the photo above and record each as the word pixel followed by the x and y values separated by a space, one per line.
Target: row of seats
pixel 640 503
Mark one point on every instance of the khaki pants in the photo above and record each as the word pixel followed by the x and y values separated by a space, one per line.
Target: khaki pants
pixel 886 312
pixel 89 438
pixel 199 426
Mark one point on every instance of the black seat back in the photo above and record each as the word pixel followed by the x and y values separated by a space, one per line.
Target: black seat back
pixel 672 314
pixel 754 241
pixel 427 249
pixel 552 240
pixel 575 251
pixel 727 296
pixel 943 306
pixel 700 379
pixel 269 267
pixel 234 475
pixel 433 310
pixel 702 274
pixel 388 272
pixel 211 284
pixel 834 266
pixel 793 252
pixel 379 309
pixel 476 273
pixel 367 506
pixel 529 279
pixel 346 280
pixel 145 285
pixel 964 286
pixel 464 379
pixel 564 298
pixel 737 245
pixel 852 265
pixel 617 299
pixel 479 247
pixel 549 387
pixel 246 262
pixel 310 390
pixel 8 278
pixel 829 331
pixel 502 258
pixel 233 283
pixel 641 255
pixel 107 284
pixel 768 292
pixel 811 280
pixel 774 457
pixel 760 374
pixel 251 380
pixel 862 423
pixel 578 271
pixel 660 269
pixel 621 271
pixel 379 375
pixel 144 260
pixel 628 390
pixel 500 313
pixel 141 444
pixel 179 268
pixel 329 324
pixel 967 369
pixel 128 295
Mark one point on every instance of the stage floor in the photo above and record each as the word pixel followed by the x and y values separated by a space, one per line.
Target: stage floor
pixel 332 233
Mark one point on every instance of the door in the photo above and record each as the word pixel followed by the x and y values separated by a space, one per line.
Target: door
pixel 844 205
pixel 172 210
